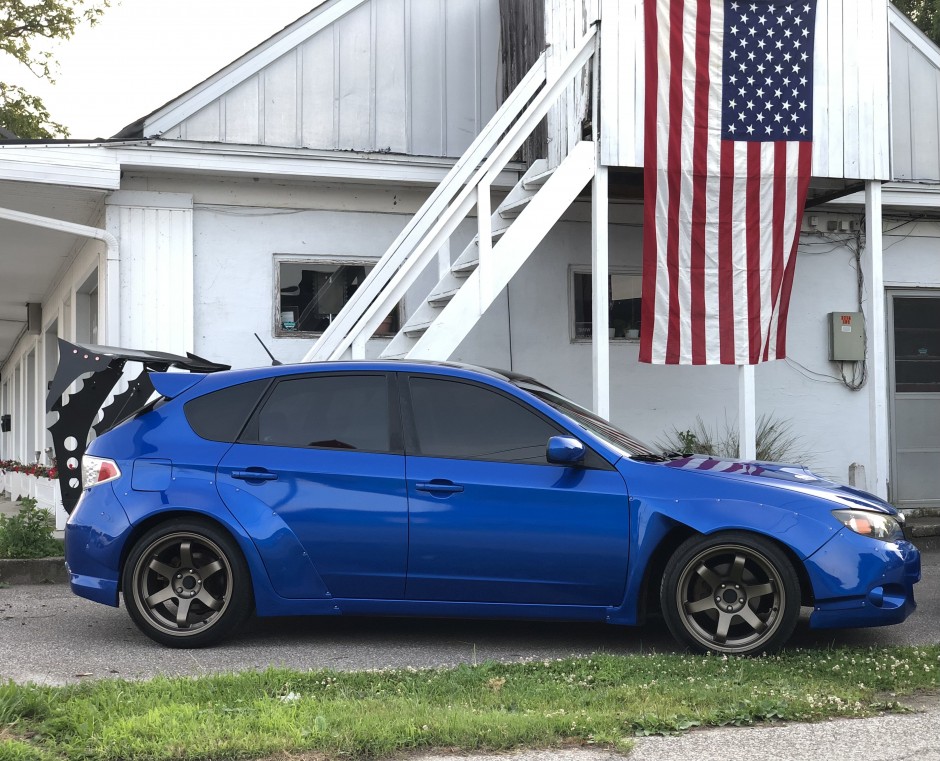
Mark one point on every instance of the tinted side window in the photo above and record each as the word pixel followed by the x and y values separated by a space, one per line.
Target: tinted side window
pixel 221 415
pixel 328 412
pixel 460 420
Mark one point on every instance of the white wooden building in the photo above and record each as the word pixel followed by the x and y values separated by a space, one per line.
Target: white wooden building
pixel 354 186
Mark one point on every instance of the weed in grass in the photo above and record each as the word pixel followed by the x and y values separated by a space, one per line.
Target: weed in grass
pixel 604 700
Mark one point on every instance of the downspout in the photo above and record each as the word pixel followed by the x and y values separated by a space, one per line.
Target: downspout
pixel 112 274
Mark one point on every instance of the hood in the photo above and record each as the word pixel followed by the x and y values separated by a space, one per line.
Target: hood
pixel 795 478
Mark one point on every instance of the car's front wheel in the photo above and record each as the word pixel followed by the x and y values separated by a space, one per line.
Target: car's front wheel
pixel 733 593
pixel 186 584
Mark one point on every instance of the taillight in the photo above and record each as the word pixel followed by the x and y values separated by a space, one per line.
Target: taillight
pixel 98 470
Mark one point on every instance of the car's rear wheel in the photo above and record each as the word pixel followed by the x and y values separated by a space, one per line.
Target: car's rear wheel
pixel 733 593
pixel 186 584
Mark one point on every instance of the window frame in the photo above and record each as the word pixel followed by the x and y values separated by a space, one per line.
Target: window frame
pixel 579 269
pixel 326 259
pixel 250 432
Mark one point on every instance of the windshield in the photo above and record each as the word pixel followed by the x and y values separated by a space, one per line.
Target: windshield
pixel 603 429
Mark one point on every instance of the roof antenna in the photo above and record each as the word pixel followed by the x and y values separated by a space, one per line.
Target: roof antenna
pixel 274 362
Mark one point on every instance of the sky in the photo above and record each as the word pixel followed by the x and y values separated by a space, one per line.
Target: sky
pixel 144 53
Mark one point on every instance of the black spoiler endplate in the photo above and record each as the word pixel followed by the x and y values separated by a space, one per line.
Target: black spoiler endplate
pixel 106 365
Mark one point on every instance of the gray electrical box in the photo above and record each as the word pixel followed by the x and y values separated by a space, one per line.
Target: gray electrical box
pixel 846 336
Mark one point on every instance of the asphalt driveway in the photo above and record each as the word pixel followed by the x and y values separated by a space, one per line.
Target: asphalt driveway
pixel 49 636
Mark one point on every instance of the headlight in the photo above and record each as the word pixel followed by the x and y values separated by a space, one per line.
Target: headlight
pixel 870 523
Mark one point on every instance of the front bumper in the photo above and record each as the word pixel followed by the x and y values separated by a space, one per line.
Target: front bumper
pixel 859 582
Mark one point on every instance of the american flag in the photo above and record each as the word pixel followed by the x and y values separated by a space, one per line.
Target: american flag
pixel 728 156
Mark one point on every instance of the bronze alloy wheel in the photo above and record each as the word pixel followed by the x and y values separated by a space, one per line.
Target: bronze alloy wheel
pixel 728 596
pixel 186 584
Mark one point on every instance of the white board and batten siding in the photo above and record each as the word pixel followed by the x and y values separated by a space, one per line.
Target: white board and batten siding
pixel 566 22
pixel 416 77
pixel 915 103
pixel 155 238
pixel 851 126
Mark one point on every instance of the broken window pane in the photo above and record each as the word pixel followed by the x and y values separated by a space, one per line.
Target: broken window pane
pixel 312 293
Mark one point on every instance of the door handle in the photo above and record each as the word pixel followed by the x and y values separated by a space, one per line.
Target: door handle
pixel 439 487
pixel 254 475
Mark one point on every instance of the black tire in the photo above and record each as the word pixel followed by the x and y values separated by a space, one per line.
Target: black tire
pixel 730 593
pixel 186 584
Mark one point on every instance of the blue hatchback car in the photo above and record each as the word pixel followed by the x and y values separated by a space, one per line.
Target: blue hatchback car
pixel 421 489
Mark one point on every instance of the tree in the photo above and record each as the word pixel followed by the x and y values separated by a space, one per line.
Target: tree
pixel 26 29
pixel 924 13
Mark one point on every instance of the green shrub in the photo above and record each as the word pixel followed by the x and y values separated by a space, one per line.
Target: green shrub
pixel 776 441
pixel 28 534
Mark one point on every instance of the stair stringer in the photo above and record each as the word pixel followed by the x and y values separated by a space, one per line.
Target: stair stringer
pixel 513 249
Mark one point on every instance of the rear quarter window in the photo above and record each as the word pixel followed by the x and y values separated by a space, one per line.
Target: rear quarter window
pixel 221 415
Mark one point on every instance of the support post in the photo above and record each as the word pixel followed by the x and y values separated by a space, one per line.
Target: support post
pixel 747 413
pixel 357 348
pixel 876 340
pixel 600 268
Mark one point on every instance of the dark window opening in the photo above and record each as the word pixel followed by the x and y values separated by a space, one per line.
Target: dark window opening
pixel 624 294
pixel 917 344
pixel 311 294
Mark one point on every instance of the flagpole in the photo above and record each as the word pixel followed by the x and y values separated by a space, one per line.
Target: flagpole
pixel 747 413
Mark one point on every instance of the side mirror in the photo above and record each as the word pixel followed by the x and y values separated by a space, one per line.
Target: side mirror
pixel 564 450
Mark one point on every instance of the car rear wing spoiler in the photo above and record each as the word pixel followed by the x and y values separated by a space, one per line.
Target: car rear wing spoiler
pixel 77 414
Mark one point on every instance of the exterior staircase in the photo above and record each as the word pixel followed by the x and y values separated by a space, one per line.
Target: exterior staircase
pixel 505 237
pixel 480 273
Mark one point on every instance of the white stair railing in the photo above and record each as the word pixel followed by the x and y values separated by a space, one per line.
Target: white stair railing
pixel 437 220
pixel 443 195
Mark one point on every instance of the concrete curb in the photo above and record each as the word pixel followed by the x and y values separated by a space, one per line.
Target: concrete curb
pixel 33 571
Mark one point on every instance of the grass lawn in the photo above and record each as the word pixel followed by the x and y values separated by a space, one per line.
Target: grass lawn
pixel 604 700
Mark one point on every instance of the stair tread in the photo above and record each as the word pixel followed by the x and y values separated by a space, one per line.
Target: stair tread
pixel 418 327
pixel 924 526
pixel 440 296
pixel 467 266
pixel 537 180
pixel 514 208
pixel 921 512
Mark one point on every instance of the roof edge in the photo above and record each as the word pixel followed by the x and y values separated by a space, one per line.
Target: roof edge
pixel 188 103
pixel 913 34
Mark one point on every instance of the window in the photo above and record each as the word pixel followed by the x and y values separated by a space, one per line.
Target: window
pixel 327 412
pixel 311 294
pixel 220 416
pixel 624 291
pixel 460 420
pixel 917 344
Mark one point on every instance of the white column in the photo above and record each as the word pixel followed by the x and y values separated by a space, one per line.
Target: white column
pixel 747 413
pixel 876 338
pixel 358 347
pixel 600 268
